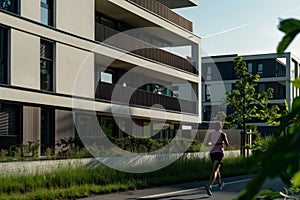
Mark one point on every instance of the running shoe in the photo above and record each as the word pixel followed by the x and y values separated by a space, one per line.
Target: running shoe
pixel 221 185
pixel 208 190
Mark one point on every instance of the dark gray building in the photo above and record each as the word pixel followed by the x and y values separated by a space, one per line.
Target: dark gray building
pixel 276 71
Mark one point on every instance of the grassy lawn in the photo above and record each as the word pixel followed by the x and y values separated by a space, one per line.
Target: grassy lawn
pixel 83 182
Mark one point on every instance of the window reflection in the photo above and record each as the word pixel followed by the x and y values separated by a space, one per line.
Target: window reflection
pixel 47 12
pixel 10 5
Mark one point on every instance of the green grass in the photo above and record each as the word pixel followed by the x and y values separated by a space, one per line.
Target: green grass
pixel 83 182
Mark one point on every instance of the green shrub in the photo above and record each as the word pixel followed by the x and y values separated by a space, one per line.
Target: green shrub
pixel 261 144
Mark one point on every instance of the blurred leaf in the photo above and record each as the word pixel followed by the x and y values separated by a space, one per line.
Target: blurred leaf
pixel 291 27
pixel 296 179
pixel 296 83
pixel 284 43
pixel 296 104
pixel 268 192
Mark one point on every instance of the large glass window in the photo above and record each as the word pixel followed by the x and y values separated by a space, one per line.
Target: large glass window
pixel 47 12
pixel 3 56
pixel 46 65
pixel 10 6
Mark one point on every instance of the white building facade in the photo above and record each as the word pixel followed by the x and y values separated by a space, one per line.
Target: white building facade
pixel 47 44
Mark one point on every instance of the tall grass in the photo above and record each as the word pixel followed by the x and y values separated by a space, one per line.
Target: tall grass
pixel 82 182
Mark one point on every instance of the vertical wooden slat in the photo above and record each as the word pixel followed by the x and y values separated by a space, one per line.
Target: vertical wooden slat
pixel 165 12
pixel 64 124
pixel 31 124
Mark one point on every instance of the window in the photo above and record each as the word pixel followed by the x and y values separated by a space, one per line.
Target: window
pixel 46 65
pixel 207 113
pixel 10 6
pixel 261 87
pixel 107 77
pixel 106 21
pixel 47 130
pixel 207 93
pixel 208 74
pixel 250 68
pixel 47 13
pixel 260 69
pixel 3 56
pixel 10 119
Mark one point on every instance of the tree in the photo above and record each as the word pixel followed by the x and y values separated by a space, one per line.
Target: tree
pixel 282 158
pixel 245 102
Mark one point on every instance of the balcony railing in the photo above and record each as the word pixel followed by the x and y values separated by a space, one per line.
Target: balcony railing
pixel 165 12
pixel 144 49
pixel 144 98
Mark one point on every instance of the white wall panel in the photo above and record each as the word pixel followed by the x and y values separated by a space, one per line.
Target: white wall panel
pixel 25 60
pixel 71 62
pixel 31 9
pixel 76 17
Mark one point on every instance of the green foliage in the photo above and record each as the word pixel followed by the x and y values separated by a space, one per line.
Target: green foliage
pixel 282 157
pixel 71 147
pixel 244 102
pixel 261 144
pixel 82 182
pixel 146 145
pixel 291 27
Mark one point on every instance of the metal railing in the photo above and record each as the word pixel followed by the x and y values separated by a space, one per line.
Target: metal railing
pixel 143 98
pixel 165 12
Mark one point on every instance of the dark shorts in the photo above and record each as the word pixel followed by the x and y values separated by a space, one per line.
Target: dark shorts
pixel 216 156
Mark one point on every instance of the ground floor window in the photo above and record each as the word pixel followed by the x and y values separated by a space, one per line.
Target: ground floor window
pixel 47 130
pixel 9 119
pixel 10 125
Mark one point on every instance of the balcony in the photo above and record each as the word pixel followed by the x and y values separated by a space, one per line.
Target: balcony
pixel 144 98
pixel 148 51
pixel 165 12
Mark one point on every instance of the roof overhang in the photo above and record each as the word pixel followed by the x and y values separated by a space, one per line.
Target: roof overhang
pixel 179 3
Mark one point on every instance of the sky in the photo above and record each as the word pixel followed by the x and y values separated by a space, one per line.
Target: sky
pixel 241 26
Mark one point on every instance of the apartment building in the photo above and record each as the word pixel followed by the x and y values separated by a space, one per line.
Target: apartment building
pixel 276 71
pixel 47 44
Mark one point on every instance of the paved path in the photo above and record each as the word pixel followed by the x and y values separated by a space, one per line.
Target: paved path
pixel 188 191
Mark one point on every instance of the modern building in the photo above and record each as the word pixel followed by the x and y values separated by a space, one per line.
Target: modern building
pixel 47 44
pixel 276 71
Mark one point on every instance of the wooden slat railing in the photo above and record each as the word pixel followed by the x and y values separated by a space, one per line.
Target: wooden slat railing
pixel 165 12
pixel 143 98
pixel 127 42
